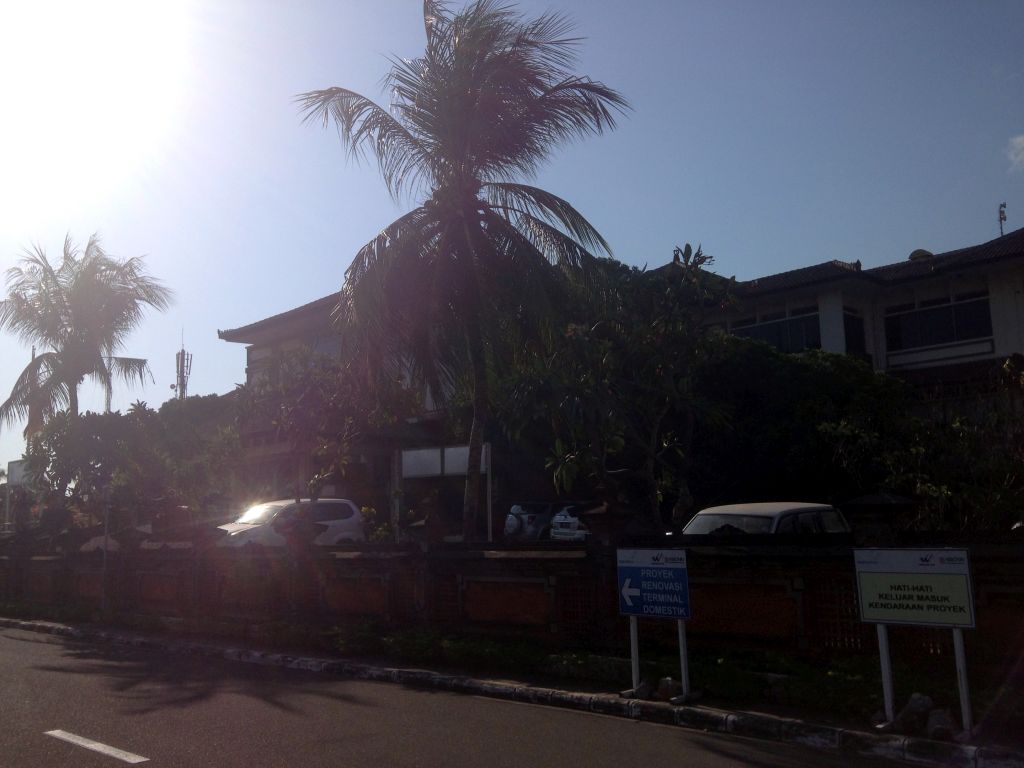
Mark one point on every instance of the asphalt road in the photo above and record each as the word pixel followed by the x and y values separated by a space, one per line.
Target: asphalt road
pixel 204 712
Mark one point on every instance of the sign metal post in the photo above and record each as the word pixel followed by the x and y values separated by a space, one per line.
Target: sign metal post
pixel 917 587
pixel 654 583
pixel 634 651
pixel 961 679
pixel 684 663
pixel 886 658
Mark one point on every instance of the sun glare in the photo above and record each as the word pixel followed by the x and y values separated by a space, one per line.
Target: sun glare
pixel 91 91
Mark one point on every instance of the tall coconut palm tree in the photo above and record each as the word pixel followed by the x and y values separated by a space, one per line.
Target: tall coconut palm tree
pixel 79 314
pixel 490 99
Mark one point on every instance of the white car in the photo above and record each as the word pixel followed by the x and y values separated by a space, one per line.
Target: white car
pixel 334 521
pixel 798 518
pixel 567 526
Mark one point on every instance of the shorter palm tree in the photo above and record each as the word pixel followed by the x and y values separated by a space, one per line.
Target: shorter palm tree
pixel 80 313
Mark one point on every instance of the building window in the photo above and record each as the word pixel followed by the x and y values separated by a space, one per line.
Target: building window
pixel 793 333
pixel 853 330
pixel 935 322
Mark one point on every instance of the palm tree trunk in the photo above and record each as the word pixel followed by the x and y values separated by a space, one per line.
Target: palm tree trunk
pixel 481 413
pixel 73 400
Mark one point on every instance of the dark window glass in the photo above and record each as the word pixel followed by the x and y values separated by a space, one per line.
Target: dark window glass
pixel 898 308
pixel 936 326
pixel 775 334
pixel 805 522
pixel 853 328
pixel 787 525
pixel 973 320
pixel 983 294
pixel 793 335
pixel 804 333
pixel 833 522
pixel 331 511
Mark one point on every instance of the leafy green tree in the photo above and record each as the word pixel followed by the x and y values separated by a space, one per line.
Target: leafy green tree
pixel 488 102
pixel 141 462
pixel 616 390
pixel 325 408
pixel 963 471
pixel 812 425
pixel 80 313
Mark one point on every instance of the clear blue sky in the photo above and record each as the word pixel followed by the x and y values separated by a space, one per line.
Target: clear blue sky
pixel 776 134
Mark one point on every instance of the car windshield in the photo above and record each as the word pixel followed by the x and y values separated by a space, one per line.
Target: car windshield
pixel 724 524
pixel 259 514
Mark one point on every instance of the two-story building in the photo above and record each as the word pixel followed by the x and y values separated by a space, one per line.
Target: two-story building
pixel 942 321
pixel 939 320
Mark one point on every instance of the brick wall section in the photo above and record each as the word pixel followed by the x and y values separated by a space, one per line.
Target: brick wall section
pixel 804 600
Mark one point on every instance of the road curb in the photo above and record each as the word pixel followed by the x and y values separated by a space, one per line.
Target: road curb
pixel 748 724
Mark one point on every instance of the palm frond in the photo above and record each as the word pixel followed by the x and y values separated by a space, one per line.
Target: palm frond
pixel 540 205
pixel 523 263
pixel 37 391
pixel 129 369
pixel 362 125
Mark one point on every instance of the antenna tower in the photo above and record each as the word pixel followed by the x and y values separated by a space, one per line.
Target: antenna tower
pixel 183 365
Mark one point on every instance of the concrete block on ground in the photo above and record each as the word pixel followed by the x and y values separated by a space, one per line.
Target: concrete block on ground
pixel 610 705
pixel 939 752
pixel 701 718
pixel 811 735
pixel 653 712
pixel 570 699
pixel 532 694
pixel 874 745
pixel 757 726
pixel 999 758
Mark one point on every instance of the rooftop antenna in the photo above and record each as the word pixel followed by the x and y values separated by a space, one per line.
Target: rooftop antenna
pixel 183 366
pixel 1002 217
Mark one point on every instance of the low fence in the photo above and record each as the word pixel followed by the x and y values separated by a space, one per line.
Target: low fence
pixel 795 599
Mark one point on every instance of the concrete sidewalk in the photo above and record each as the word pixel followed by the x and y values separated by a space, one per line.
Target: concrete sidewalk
pixel 749 724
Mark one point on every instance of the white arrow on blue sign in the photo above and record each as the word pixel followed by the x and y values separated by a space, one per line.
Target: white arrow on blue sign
pixel 653 583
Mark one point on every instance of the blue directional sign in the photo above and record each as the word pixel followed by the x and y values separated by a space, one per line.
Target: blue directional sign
pixel 653 583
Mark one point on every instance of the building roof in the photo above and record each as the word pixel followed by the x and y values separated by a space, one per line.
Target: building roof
pixel 1008 246
pixel 826 272
pixel 321 309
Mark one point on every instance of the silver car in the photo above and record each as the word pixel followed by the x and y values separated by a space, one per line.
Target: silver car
pixel 567 526
pixel 334 521
pixel 534 521
pixel 773 517
pixel 529 521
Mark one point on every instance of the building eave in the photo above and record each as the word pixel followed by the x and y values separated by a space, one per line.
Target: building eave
pixel 276 326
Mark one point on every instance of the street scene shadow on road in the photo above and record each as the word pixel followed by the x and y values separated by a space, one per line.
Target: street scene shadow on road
pixel 829 692
pixel 147 681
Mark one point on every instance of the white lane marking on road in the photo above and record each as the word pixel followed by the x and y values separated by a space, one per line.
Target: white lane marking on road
pixel 96 746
